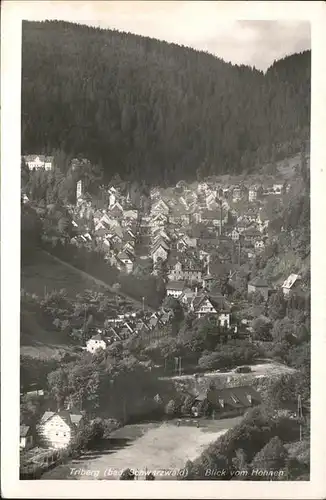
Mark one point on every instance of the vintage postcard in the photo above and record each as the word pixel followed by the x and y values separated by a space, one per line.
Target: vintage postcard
pixel 163 282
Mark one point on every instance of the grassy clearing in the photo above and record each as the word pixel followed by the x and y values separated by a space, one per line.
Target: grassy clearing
pixel 45 274
pixel 152 446
pixel 40 341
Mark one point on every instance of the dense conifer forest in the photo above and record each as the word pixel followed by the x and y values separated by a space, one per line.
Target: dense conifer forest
pixel 156 111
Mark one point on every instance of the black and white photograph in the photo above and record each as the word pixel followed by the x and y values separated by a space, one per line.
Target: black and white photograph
pixel 165 245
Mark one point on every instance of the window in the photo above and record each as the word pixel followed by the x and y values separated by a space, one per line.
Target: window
pixel 234 399
pixel 221 402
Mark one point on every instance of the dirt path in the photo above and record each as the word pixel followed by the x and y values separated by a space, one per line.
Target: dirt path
pixel 99 282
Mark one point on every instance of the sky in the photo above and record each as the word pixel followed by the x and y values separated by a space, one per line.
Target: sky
pixel 208 26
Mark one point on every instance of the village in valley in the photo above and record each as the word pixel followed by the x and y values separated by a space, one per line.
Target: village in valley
pixel 165 289
pixel 191 285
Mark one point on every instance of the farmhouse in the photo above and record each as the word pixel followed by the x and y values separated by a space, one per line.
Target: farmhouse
pixel 56 429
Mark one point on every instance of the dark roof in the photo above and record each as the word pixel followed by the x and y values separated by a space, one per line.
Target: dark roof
pixel 211 215
pixel 24 430
pixel 259 282
pixel 98 336
pixel 175 285
pixel 219 302
pixel 199 299
pixel 158 244
pixel 43 158
pixel 251 232
pixel 235 397
pixel 68 417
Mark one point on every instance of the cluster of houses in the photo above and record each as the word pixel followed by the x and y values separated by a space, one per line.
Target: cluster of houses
pixel 142 324
pixel 193 218
pixel 114 229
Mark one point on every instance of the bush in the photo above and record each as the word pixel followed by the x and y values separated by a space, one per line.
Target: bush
pixel 171 408
pixel 262 329
pixel 229 355
pixel 127 475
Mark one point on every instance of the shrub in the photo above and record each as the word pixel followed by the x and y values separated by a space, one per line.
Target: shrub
pixel 127 475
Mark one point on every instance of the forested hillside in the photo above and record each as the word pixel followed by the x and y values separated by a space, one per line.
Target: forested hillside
pixel 157 111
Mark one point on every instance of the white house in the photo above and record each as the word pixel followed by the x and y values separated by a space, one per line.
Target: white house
pixel 57 429
pixel 126 259
pixel 291 283
pixel 235 235
pixel 95 342
pixel 39 161
pixel 252 194
pixel 259 245
pixel 236 195
pixel 202 187
pixel 25 198
pixel 277 188
pixel 26 437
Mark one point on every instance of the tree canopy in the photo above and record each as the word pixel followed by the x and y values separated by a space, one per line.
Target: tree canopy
pixel 157 111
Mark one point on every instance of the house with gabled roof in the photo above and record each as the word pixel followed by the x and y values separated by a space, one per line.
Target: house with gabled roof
pixel 175 288
pixel 252 193
pixel 26 437
pixel 57 429
pixel 215 218
pixel 236 194
pixel 127 260
pixel 185 242
pixel 158 220
pixel 251 234
pixel 37 162
pixel 160 207
pixel 259 244
pixel 291 284
pixel 160 250
pixel 259 285
pixel 229 400
pixel 204 304
pixel 96 342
